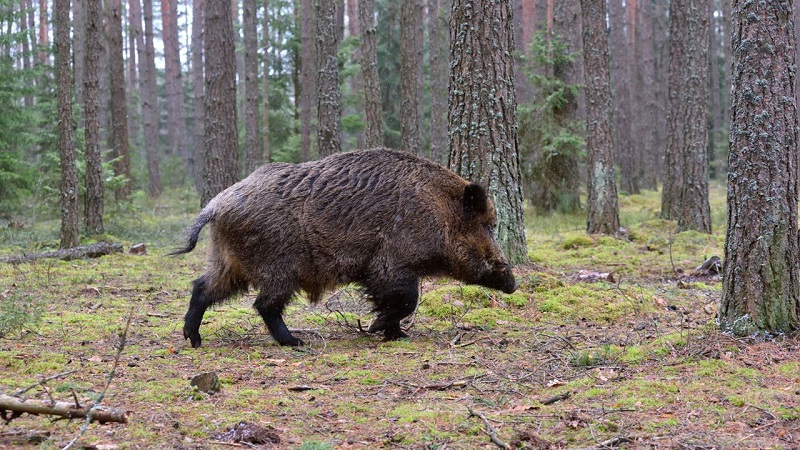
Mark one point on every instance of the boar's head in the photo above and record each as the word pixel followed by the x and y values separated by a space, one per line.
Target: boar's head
pixel 478 258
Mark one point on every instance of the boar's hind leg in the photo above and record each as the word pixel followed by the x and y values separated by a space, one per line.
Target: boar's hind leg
pixel 271 309
pixel 204 295
pixel 393 304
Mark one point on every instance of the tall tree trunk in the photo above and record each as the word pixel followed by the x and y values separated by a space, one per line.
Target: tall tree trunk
pixel 369 69
pixel 307 91
pixel 621 48
pixel 525 14
pixel 409 96
pixel 603 213
pixel 94 159
pixel 645 109
pixel 661 76
pixel 672 157
pixel 356 80
pixel 438 11
pixel 119 109
pixel 265 86
pixel 132 88
pixel 760 286
pixel 693 208
pixel 43 41
pixel 567 26
pixel 221 141
pixel 176 122
pixel 252 146
pixel 25 29
pixel 482 116
pixel 69 178
pixel 79 47
pixel 714 105
pixel 328 113
pixel 149 94
pixel 198 89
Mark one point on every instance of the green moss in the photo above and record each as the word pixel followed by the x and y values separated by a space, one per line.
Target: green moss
pixel 538 282
pixel 582 301
pixel 736 400
pixel 408 413
pixel 576 241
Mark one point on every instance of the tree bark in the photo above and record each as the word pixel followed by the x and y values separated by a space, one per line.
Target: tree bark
pixel 62 409
pixel 94 159
pixel 410 40
pixel 265 86
pixel 198 89
pixel 221 152
pixel 150 103
pixel 307 91
pixel 603 213
pixel 78 47
pixel 673 165
pixel 621 40
pixel 760 286
pixel 252 146
pixel 176 122
pixel 694 212
pixel 437 26
pixel 645 109
pixel 369 68
pixel 43 40
pixel 69 179
pixel 482 113
pixel 119 109
pixel 328 112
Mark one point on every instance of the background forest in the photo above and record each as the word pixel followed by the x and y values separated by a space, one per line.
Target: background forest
pixel 162 56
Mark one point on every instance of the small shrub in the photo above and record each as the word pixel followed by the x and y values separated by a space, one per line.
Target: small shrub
pixel 18 311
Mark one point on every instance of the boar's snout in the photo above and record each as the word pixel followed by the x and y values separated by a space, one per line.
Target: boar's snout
pixel 501 278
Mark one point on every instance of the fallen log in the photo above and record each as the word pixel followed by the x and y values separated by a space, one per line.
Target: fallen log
pixel 67 254
pixel 11 407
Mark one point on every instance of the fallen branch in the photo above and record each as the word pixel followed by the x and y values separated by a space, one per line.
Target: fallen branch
pixel 489 429
pixel 11 407
pixel 67 254
pixel 556 398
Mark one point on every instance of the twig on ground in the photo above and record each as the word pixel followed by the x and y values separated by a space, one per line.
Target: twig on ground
pixel 489 429
pixel 556 398
pixel 44 380
pixel 91 411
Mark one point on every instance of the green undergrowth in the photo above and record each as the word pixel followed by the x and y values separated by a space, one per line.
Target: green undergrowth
pixel 600 321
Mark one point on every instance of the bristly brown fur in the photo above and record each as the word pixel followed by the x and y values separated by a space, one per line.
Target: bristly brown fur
pixel 380 218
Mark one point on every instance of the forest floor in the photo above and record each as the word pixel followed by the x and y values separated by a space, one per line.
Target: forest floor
pixel 608 343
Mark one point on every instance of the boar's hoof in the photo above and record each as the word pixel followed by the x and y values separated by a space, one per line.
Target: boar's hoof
pixel 194 338
pixel 394 334
pixel 291 341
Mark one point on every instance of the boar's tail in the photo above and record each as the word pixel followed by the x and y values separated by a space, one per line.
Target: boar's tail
pixel 194 232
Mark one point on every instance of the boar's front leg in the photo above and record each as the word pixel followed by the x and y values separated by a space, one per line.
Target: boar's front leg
pixel 393 303
pixel 271 309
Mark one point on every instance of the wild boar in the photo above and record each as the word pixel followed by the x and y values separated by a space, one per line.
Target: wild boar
pixel 379 218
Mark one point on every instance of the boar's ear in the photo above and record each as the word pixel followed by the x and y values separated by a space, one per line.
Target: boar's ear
pixel 475 201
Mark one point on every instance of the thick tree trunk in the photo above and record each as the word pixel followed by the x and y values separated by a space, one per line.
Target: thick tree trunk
pixel 132 88
pixel 149 96
pixel 221 153
pixel 78 47
pixel 44 33
pixel 176 122
pixel 621 40
pixel 438 11
pixel 328 113
pixel 410 40
pixel 760 286
pixel 69 178
pixel 645 109
pixel 94 161
pixel 198 89
pixel 356 80
pixel 482 114
pixel 369 69
pixel 119 109
pixel 265 86
pixel 603 213
pixel 694 212
pixel 673 163
pixel 252 146
pixel 307 91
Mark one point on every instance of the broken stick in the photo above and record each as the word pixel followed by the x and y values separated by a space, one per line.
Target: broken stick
pixel 11 407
